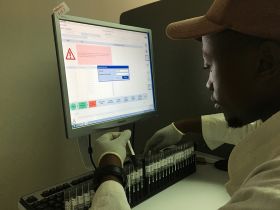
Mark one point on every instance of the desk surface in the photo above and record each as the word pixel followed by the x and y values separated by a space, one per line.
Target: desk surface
pixel 203 190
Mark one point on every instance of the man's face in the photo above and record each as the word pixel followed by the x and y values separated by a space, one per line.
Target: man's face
pixel 232 65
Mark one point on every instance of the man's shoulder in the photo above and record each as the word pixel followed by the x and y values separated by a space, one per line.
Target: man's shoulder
pixel 266 171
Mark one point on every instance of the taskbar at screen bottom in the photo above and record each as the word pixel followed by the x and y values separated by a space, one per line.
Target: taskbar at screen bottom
pixel 110 119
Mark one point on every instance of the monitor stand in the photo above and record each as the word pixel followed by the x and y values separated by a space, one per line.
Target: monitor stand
pixel 83 142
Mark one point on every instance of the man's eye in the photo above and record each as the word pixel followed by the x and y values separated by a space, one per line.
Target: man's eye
pixel 206 67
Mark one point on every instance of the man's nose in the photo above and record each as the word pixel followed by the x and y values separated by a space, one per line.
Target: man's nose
pixel 209 84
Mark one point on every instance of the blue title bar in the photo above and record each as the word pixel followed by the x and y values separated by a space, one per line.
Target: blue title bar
pixel 112 67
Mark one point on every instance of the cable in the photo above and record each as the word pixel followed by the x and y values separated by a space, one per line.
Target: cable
pixel 90 151
pixel 133 134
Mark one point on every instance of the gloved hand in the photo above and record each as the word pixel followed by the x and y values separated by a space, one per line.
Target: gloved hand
pixel 111 143
pixel 164 137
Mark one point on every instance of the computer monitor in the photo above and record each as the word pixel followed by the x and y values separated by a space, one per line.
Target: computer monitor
pixel 106 73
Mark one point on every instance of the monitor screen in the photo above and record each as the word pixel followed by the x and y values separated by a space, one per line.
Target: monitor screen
pixel 106 73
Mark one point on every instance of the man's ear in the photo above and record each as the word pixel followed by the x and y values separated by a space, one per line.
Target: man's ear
pixel 269 60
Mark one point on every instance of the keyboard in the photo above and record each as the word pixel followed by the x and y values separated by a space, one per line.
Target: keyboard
pixel 55 197
pixel 151 175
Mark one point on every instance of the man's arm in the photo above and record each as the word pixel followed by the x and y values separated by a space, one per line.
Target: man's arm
pixel 110 194
pixel 190 125
pixel 213 128
pixel 260 190
pixel 110 150
pixel 215 131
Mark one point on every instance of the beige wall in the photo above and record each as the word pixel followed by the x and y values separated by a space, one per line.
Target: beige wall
pixel 33 150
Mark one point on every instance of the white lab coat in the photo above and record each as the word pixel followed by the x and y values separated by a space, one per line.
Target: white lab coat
pixel 254 167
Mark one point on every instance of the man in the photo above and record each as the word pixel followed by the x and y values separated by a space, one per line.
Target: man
pixel 241 51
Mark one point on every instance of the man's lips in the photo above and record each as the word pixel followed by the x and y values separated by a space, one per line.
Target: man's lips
pixel 216 104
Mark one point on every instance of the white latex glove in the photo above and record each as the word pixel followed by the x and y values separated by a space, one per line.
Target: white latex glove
pixel 111 143
pixel 164 137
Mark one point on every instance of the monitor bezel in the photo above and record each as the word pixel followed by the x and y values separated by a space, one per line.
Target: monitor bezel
pixel 83 131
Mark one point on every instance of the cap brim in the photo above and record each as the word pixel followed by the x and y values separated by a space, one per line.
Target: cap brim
pixel 192 28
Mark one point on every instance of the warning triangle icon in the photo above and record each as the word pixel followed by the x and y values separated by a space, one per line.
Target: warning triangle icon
pixel 70 55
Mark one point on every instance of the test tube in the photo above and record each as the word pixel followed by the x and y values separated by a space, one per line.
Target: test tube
pixel 129 184
pixel 138 178
pixel 133 183
pixel 163 167
pixel 67 200
pixel 173 165
pixel 141 182
pixel 147 174
pixel 160 169
pixel 74 201
pixel 87 197
pixel 193 155
pixel 156 165
pixel 80 197
pixel 92 191
pixel 185 157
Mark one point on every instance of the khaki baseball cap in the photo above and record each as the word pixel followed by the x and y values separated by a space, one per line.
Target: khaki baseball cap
pixel 259 18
